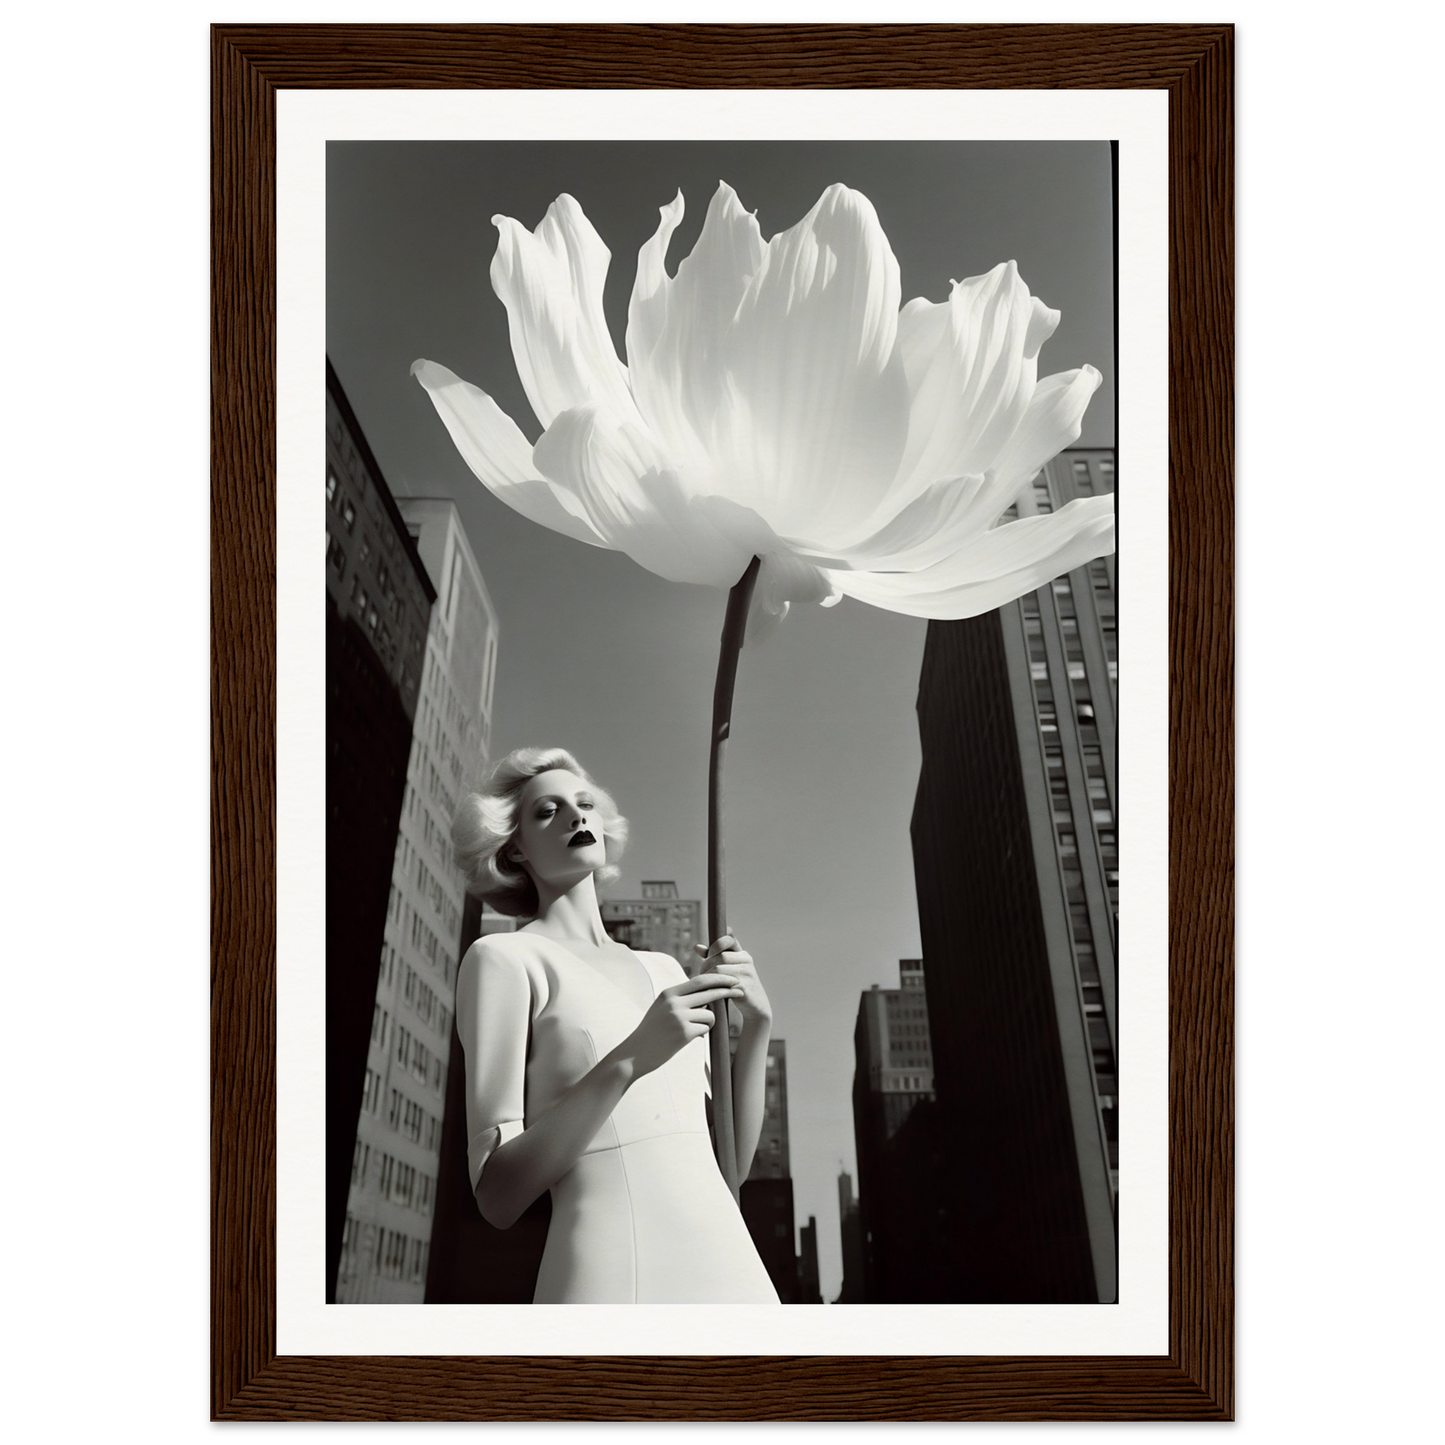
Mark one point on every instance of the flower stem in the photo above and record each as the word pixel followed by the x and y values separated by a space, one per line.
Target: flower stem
pixel 734 625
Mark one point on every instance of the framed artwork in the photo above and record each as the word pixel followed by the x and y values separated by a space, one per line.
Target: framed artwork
pixel 895 1369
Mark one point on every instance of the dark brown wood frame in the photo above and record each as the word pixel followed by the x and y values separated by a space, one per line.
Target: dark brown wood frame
pixel 1194 63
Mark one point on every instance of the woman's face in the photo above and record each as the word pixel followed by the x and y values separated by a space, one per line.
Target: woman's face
pixel 559 832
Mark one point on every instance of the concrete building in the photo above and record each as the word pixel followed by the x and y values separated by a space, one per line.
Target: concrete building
pixel 399 1135
pixel 772 1159
pixel 893 1054
pixel 850 1228
pixel 378 608
pixel 1016 860
pixel 809 1292
pixel 766 1195
pixel 899 1190
pixel 658 922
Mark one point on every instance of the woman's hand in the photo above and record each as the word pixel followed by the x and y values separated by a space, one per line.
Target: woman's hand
pixel 678 1015
pixel 724 957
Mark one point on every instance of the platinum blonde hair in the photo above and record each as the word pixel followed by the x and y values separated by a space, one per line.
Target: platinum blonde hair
pixel 486 822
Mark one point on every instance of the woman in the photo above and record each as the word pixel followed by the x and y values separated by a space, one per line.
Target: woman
pixel 587 1062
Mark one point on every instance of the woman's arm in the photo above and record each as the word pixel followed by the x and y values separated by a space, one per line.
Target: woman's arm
pixel 520 1169
pixel 750 1062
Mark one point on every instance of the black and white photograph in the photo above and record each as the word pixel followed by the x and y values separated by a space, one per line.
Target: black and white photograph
pixel 722 833
pixel 746 817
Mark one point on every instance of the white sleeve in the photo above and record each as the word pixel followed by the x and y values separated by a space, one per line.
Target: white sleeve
pixel 494 1013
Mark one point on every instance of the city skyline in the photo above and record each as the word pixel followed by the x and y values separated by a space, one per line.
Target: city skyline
pixel 617 665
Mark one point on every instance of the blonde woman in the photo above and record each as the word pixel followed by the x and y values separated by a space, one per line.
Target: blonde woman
pixel 587 1063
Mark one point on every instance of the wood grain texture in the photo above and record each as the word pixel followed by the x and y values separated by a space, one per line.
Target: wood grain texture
pixel 1196 1379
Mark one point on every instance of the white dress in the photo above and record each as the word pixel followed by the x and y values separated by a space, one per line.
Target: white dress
pixel 644 1216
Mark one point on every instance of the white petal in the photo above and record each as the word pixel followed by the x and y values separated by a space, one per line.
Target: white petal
pixel 676 327
pixel 782 580
pixel 1053 421
pixel 931 527
pixel 551 283
pixel 634 498
pixel 1001 565
pixel 493 446
pixel 814 414
pixel 971 364
pixel 949 515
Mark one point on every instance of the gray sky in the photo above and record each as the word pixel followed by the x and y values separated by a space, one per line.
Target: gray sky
pixel 600 656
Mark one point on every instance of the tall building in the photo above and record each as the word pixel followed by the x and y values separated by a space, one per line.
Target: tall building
pixel 850 1228
pixel 399 1135
pixel 658 922
pixel 900 1193
pixel 378 606
pixel 808 1289
pixel 766 1195
pixel 772 1159
pixel 893 1055
pixel 1016 861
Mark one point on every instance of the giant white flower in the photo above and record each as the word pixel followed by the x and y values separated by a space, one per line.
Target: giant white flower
pixel 777 403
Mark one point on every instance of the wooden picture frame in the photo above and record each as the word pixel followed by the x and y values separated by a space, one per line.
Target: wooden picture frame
pixel 1195 1380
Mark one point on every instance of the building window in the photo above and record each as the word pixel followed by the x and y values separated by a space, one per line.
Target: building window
pixel 348 513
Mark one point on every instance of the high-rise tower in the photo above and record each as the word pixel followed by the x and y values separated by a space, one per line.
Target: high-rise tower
pixel 766 1195
pixel 898 1185
pixel 399 1136
pixel 378 606
pixel 1015 849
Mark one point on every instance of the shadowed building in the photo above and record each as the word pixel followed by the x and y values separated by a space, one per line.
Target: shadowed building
pixel 850 1229
pixel 1016 862
pixel 808 1289
pixel 766 1195
pixel 378 603
pixel 901 1208
pixel 392 1197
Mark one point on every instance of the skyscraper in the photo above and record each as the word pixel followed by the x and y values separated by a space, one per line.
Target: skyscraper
pixel 808 1290
pixel 378 606
pixel 899 1192
pixel 766 1195
pixel 1016 862
pixel 772 1159
pixel 850 1229
pixel 399 1136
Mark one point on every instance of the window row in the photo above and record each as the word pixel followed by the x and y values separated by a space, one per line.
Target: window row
pixel 396 1180
pixel 388 1252
pixel 408 1117
pixel 412 1054
pixel 423 999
